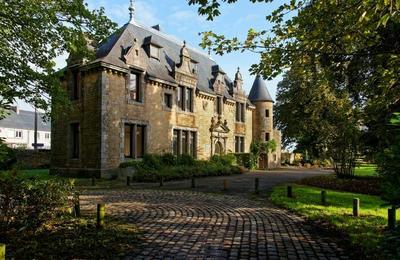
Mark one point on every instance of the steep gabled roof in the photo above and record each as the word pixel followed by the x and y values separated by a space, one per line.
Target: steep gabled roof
pixel 111 50
pixel 259 91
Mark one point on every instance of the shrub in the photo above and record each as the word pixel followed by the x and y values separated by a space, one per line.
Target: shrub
pixel 127 164
pixel 244 159
pixel 171 167
pixel 227 160
pixel 185 159
pixel 168 159
pixel 7 156
pixel 152 161
pixel 27 204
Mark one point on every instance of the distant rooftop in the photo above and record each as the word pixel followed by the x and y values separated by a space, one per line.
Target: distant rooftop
pixel 21 119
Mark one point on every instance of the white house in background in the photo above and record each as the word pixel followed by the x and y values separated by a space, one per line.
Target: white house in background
pixel 18 129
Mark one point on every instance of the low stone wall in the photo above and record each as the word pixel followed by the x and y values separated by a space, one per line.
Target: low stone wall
pixel 30 159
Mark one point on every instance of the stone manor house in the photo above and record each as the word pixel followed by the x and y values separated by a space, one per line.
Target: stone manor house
pixel 148 93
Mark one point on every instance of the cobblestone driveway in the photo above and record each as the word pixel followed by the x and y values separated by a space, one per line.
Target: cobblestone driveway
pixel 194 225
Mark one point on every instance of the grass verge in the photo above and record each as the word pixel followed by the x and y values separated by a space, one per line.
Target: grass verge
pixel 363 185
pixel 365 232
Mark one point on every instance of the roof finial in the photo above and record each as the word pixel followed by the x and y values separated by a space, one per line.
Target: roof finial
pixel 184 43
pixel 131 10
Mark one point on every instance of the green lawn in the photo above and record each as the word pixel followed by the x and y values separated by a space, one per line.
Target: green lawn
pixel 367 170
pixel 41 174
pixel 366 231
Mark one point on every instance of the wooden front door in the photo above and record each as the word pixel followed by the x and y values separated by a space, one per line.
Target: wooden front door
pixel 263 162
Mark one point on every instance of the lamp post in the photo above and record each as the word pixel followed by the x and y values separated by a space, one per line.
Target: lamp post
pixel 35 132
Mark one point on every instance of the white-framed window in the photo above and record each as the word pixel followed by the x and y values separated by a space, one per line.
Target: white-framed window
pixel 47 135
pixel 18 134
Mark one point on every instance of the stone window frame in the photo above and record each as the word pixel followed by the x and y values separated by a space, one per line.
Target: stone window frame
pixel 165 107
pixel 75 84
pixel 142 84
pixel 221 103
pixel 241 116
pixel 267 113
pixel 184 110
pixel 122 137
pixel 242 147
pixel 267 134
pixel 71 155
pixel 189 130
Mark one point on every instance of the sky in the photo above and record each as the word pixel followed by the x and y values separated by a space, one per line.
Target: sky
pixel 178 19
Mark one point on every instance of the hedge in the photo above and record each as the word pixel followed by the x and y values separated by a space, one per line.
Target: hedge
pixel 170 167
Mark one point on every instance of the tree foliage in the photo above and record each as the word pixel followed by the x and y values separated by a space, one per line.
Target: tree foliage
pixel 34 33
pixel 340 60
pixel 389 164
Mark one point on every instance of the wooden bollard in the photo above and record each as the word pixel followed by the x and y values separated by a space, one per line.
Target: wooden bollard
pixel 77 209
pixel 356 207
pixel 289 192
pixel 128 181
pixel 323 197
pixel 93 181
pixel 101 213
pixel 2 251
pixel 257 186
pixel 392 218
pixel 193 182
pixel 225 187
pixel 161 181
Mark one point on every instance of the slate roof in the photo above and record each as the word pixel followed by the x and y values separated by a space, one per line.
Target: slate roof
pixel 24 120
pixel 259 91
pixel 111 52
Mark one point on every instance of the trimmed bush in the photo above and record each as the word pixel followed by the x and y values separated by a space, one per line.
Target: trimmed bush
pixel 171 167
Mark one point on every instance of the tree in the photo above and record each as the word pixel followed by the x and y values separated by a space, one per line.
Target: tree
pixel 34 33
pixel 345 51
pixel 389 166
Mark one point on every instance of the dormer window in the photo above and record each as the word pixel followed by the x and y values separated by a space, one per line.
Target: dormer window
pixel 154 52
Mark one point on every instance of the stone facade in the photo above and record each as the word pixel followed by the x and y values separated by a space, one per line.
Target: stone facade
pixel 106 115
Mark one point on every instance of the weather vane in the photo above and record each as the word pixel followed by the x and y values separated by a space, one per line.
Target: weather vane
pixel 131 10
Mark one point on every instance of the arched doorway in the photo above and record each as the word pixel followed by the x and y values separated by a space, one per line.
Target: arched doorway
pixel 219 149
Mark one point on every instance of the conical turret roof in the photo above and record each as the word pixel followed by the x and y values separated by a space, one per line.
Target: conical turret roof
pixel 259 91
